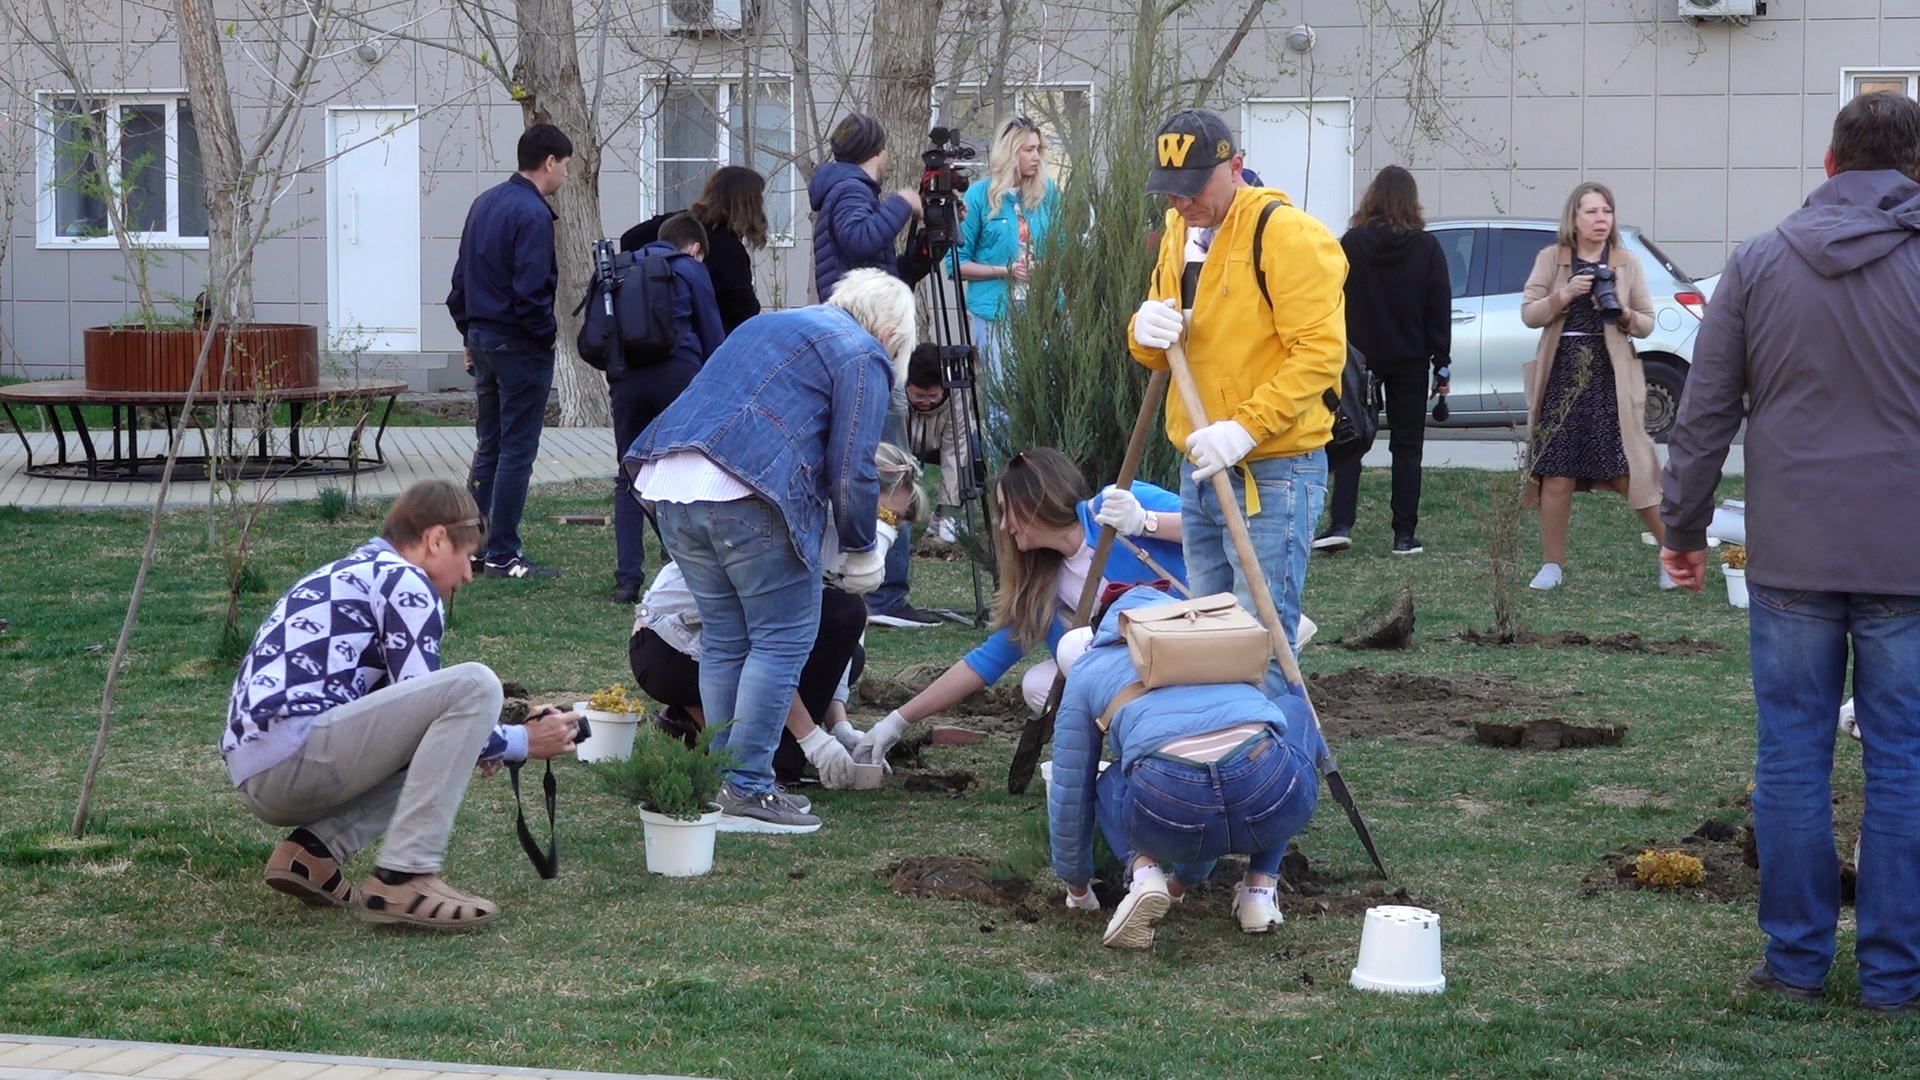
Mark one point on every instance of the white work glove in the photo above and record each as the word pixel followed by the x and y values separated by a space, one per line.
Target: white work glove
pixel 1218 446
pixel 880 739
pixel 829 759
pixel 1088 902
pixel 1120 509
pixel 1158 323
pixel 846 735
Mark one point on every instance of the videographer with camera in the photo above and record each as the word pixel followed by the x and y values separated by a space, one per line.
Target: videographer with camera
pixel 1586 393
pixel 1007 222
pixel 853 227
pixel 344 724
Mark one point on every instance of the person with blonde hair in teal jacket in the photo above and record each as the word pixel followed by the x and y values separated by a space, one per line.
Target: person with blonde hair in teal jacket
pixel 1009 215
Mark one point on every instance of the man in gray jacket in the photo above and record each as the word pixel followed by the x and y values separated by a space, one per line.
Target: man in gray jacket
pixel 1816 325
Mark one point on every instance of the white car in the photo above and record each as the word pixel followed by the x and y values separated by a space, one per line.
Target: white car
pixel 1488 260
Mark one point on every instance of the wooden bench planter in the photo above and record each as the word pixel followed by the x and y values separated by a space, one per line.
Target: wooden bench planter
pixel 264 357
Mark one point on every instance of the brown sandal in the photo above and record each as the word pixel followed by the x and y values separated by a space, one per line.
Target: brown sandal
pixel 314 880
pixel 425 901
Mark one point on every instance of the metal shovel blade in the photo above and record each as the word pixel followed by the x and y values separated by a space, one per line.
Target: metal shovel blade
pixel 1337 785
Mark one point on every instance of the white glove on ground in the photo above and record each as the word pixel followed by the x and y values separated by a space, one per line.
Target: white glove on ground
pixel 829 759
pixel 880 739
pixel 1158 323
pixel 1088 902
pixel 1220 445
pixel 846 735
pixel 1120 509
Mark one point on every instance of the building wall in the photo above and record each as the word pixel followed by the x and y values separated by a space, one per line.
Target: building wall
pixel 1707 134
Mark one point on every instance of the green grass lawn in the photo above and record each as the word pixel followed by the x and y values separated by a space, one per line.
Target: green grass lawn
pixel 794 958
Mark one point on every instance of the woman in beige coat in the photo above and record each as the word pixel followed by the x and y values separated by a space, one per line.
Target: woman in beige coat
pixel 1586 394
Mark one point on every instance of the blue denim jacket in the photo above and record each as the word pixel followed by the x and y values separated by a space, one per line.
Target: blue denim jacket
pixel 792 405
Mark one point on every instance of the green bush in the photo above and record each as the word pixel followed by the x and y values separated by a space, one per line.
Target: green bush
pixel 667 777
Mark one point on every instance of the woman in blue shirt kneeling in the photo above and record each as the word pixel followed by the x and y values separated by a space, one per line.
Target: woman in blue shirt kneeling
pixel 1044 534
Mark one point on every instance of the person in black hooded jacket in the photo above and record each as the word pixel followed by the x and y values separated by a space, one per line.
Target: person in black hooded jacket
pixel 1399 304
pixel 733 210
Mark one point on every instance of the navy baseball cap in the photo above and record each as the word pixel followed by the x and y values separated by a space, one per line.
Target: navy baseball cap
pixel 1186 151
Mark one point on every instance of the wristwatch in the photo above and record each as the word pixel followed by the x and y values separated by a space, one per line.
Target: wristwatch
pixel 1153 522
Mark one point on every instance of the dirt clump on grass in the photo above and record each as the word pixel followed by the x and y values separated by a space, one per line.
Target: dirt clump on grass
pixel 1360 703
pixel 1548 735
pixel 1717 844
pixel 1628 642
pixel 957 877
pixel 953 783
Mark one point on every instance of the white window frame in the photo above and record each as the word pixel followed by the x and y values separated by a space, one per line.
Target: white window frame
pixel 1850 76
pixel 728 85
pixel 45 166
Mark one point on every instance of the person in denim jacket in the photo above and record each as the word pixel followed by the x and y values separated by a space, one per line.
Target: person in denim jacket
pixel 776 434
pixel 1004 230
pixel 1202 771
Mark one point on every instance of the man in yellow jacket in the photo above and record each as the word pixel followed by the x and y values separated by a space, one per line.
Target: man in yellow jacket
pixel 1262 353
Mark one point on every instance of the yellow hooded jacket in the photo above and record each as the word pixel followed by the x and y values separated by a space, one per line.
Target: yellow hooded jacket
pixel 1265 367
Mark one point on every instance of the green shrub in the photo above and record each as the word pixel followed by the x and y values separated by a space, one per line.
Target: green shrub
pixel 667 777
pixel 331 505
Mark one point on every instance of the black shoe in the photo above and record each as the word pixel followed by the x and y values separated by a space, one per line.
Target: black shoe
pixel 904 616
pixel 1904 1008
pixel 1333 540
pixel 1763 978
pixel 1407 545
pixel 626 594
pixel 478 564
pixel 519 567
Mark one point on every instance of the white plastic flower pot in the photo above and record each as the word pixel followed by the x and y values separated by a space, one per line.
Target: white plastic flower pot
pixel 612 738
pixel 1400 952
pixel 869 777
pixel 1046 775
pixel 677 848
pixel 1736 586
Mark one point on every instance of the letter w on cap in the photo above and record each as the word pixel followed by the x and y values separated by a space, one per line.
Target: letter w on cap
pixel 1173 150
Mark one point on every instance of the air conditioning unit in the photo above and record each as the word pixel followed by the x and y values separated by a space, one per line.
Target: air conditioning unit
pixel 708 16
pixel 1697 10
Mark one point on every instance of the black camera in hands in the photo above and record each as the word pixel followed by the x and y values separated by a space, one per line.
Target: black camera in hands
pixel 1606 298
pixel 582 730
pixel 943 180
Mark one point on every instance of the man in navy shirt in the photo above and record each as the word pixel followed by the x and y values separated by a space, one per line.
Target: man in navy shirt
pixel 502 301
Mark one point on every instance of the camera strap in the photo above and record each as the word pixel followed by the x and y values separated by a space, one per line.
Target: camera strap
pixel 547 862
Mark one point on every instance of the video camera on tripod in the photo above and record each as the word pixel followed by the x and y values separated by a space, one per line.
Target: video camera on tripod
pixel 943 180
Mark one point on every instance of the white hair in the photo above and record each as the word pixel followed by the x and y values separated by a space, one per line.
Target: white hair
pixel 883 305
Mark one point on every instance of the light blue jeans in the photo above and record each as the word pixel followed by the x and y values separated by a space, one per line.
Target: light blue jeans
pixel 1292 491
pixel 1800 642
pixel 759 610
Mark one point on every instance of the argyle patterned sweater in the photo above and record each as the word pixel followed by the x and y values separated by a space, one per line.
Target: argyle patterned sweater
pixel 342 632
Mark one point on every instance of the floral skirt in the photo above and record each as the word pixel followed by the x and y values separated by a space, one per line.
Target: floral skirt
pixel 1578 433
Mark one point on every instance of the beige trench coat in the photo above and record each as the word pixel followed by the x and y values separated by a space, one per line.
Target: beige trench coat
pixel 1540 307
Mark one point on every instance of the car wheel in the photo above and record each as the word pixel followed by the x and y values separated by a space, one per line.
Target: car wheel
pixel 1664 383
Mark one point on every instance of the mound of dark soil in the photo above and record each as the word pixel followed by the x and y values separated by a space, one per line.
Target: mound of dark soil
pixel 1548 735
pixel 956 877
pixel 1360 703
pixel 940 783
pixel 1717 844
pixel 1628 642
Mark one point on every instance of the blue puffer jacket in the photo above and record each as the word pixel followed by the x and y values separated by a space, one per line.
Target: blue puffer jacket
pixel 853 227
pixel 1143 726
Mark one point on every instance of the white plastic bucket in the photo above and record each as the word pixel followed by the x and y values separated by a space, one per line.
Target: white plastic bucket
pixel 612 738
pixel 1400 952
pixel 677 848
pixel 869 777
pixel 1736 586
pixel 1046 775
pixel 1729 522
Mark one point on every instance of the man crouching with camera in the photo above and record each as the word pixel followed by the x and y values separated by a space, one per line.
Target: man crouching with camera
pixel 344 724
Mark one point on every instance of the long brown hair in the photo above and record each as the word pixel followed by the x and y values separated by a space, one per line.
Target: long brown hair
pixel 736 198
pixel 1393 199
pixel 1044 487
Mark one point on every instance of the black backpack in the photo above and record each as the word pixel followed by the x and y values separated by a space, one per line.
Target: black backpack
pixel 629 302
pixel 1356 408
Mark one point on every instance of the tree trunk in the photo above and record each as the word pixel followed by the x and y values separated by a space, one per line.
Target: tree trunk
pixel 549 89
pixel 904 35
pixel 230 196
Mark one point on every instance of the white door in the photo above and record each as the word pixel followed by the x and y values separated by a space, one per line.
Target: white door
pixel 373 230
pixel 1304 148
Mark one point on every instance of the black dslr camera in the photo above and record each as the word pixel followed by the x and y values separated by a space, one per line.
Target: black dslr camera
pixel 582 730
pixel 943 180
pixel 1606 298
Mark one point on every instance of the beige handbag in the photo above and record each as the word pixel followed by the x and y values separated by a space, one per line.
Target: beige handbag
pixel 1208 639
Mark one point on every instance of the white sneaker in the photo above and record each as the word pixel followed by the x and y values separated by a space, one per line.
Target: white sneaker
pixel 1547 579
pixel 1145 904
pixel 1667 584
pixel 1258 912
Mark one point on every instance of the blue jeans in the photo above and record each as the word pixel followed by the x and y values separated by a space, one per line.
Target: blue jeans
pixel 1292 491
pixel 1800 643
pixel 512 379
pixel 1185 816
pixel 759 609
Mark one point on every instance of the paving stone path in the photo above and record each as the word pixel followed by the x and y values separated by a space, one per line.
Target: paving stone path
pixel 32 1057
